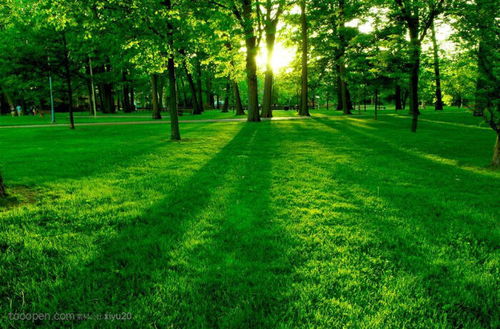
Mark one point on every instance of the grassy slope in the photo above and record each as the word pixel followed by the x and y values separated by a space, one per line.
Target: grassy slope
pixel 326 223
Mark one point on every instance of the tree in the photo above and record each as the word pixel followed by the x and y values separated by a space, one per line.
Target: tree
pixel 419 16
pixel 3 191
pixel 479 28
pixel 304 106
pixel 439 98
pixel 270 24
pixel 488 84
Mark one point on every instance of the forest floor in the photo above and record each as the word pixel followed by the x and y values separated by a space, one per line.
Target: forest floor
pixel 331 222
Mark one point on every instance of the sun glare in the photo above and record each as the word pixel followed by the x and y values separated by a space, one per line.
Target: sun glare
pixel 282 57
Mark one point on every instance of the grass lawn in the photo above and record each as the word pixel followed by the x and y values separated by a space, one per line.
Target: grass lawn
pixel 84 117
pixel 334 222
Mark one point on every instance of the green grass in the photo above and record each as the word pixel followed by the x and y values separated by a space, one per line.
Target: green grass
pixel 84 117
pixel 332 222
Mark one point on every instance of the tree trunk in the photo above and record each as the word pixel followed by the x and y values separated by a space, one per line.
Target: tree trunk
pixel 399 105
pixel 481 95
pixel 132 98
pixel 496 153
pixel 376 104
pixel 251 68
pixel 3 190
pixel 127 103
pixel 237 99
pixel 225 107
pixel 196 105
pixel 200 90
pixel 304 106
pixel 346 107
pixel 404 93
pixel 340 97
pixel 343 89
pixel 267 110
pixel 68 82
pixel 161 83
pixel 154 97
pixel 182 88
pixel 415 46
pixel 439 98
pixel 210 94
pixel 175 133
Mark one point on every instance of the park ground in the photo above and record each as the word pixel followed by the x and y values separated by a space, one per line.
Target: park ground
pixel 330 222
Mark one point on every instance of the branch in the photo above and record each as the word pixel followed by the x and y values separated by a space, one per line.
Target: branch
pixel 432 14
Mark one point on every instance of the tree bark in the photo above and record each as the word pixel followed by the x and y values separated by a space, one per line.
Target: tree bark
pixel 343 88
pixel 127 102
pixel 398 100
pixel 496 153
pixel 209 92
pixel 161 82
pixel 199 90
pixel 251 68
pixel 3 190
pixel 175 133
pixel 196 105
pixel 415 47
pixel 68 82
pixel 438 106
pixel 304 106
pixel 237 99
pixel 267 110
pixel 132 98
pixel 225 107
pixel 156 115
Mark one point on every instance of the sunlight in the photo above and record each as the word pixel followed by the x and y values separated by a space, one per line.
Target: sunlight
pixel 282 57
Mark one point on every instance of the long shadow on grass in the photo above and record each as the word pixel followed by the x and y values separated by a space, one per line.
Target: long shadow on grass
pixel 208 255
pixel 429 226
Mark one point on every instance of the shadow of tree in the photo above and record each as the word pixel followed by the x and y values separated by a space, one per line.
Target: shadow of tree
pixel 207 255
pixel 435 237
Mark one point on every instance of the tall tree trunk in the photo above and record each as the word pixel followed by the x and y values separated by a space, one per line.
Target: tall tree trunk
pixel 161 83
pixel 127 104
pixel 132 98
pixel 196 105
pixel 225 106
pixel 210 94
pixel 182 88
pixel 496 153
pixel 304 106
pixel 109 102
pixel 342 70
pixel 481 94
pixel 175 133
pixel 237 99
pixel 251 68
pixel 415 46
pixel 154 97
pixel 398 101
pixel 267 111
pixel 89 90
pixel 340 95
pixel 439 98
pixel 3 190
pixel 68 82
pixel 376 104
pixel 343 88
pixel 199 89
